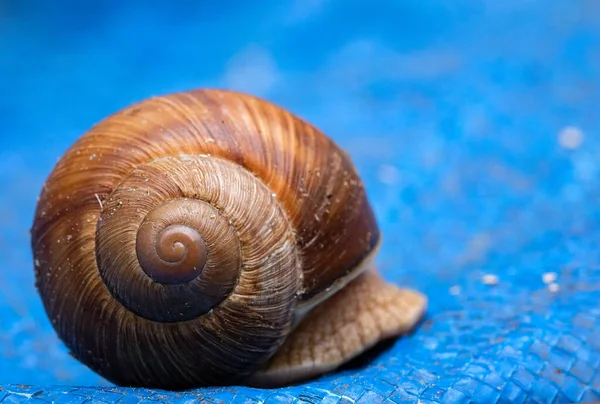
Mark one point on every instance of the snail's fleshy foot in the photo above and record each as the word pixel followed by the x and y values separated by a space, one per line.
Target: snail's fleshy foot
pixel 366 312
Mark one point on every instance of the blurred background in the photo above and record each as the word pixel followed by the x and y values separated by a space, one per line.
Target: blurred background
pixel 473 122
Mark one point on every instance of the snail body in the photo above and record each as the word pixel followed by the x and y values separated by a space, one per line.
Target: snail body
pixel 182 240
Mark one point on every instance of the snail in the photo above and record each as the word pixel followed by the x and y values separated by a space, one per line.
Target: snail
pixel 211 237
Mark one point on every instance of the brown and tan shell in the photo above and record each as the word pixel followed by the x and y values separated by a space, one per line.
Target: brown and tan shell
pixel 178 240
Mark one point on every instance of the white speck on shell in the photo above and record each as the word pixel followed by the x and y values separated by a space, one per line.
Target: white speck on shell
pixel 99 201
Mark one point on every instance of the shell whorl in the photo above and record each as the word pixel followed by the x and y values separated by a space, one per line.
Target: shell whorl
pixel 183 205
pixel 174 253
pixel 174 240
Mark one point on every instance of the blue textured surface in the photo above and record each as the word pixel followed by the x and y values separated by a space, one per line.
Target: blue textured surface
pixel 475 126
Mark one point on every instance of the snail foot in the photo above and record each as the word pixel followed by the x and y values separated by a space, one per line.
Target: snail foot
pixel 367 311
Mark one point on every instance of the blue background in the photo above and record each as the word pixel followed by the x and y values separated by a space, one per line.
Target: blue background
pixel 473 123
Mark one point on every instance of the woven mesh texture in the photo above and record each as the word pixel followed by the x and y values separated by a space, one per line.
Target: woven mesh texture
pixel 475 127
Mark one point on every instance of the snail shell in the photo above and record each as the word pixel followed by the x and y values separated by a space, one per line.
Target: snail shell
pixel 179 240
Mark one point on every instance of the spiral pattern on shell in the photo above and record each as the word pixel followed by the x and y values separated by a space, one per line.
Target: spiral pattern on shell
pixel 175 241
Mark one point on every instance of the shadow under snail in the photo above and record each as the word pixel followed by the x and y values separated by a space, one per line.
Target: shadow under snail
pixel 211 237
